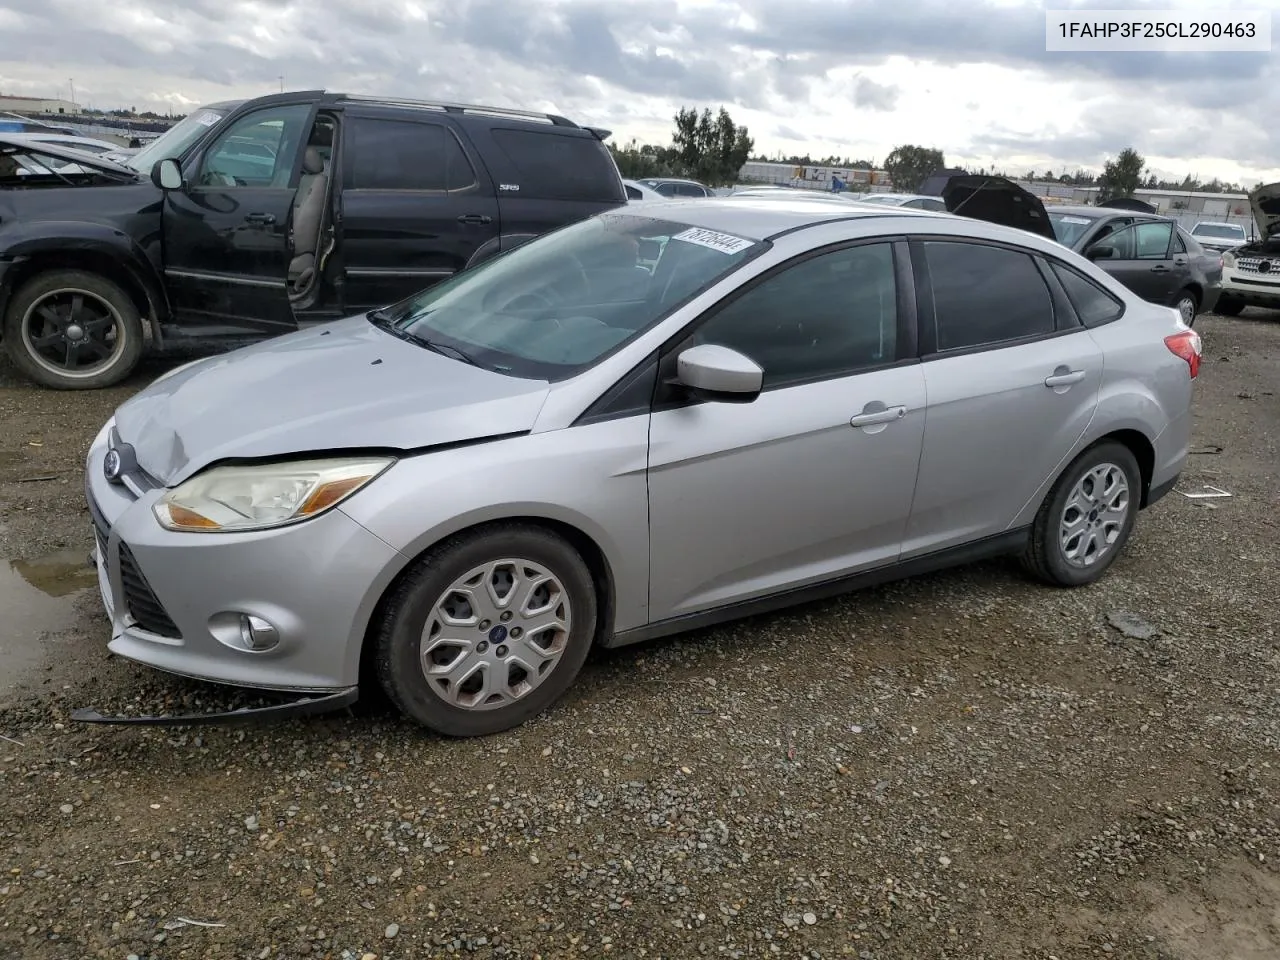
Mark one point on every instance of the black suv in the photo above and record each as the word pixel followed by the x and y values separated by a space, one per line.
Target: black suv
pixel 251 219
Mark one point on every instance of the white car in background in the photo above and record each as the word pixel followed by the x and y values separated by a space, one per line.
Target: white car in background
pixel 1251 272
pixel 89 145
pixel 637 192
pixel 915 201
pixel 1218 236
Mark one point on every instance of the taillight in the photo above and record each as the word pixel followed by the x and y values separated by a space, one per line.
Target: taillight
pixel 1187 346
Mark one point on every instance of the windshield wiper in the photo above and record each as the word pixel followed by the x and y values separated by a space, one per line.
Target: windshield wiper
pixel 383 321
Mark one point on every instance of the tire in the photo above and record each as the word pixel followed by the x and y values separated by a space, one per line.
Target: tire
pixel 1188 305
pixel 1229 307
pixel 1045 556
pixel 489 659
pixel 98 311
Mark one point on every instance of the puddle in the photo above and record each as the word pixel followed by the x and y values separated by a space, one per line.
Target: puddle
pixel 35 598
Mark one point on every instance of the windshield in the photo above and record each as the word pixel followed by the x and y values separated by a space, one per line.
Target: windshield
pixel 556 305
pixel 174 141
pixel 1226 231
pixel 1069 227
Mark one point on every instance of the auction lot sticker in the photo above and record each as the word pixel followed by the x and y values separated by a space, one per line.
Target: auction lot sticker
pixel 724 242
pixel 1170 31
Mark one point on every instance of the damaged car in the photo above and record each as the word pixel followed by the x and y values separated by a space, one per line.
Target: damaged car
pixel 654 420
pixel 1251 272
pixel 251 219
pixel 1148 253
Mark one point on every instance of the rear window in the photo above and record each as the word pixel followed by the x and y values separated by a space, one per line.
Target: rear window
pixel 554 166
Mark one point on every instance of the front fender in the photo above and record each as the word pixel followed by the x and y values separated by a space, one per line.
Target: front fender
pixel 69 240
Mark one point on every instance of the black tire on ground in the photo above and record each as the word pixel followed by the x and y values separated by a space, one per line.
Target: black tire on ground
pixel 1229 307
pixel 1044 556
pixel 124 326
pixel 398 637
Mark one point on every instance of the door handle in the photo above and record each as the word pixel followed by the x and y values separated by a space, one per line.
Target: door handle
pixel 1064 379
pixel 266 219
pixel 1159 268
pixel 474 218
pixel 887 415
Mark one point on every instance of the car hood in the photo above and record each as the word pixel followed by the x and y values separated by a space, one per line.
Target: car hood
pixel 343 385
pixel 1264 201
pixel 994 199
pixel 72 156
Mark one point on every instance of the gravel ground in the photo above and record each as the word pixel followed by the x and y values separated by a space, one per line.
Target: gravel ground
pixel 964 765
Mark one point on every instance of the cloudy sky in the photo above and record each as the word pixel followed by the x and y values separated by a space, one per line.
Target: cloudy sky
pixel 970 77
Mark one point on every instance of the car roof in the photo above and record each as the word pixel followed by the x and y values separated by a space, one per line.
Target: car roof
pixel 756 219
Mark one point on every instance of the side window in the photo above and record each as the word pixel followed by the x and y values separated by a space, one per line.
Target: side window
pixel 406 155
pixel 985 295
pixel 830 315
pixel 257 150
pixel 1093 305
pixel 666 189
pixel 559 166
pixel 689 190
pixel 1179 245
pixel 1120 240
pixel 1153 240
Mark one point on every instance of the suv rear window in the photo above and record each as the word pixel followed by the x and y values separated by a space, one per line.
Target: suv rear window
pixel 554 166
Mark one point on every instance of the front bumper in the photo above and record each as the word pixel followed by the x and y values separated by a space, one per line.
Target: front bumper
pixel 1253 287
pixel 175 599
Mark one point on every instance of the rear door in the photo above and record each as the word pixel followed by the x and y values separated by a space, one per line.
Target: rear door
pixel 547 175
pixel 1143 258
pixel 226 233
pixel 415 205
pixel 1012 382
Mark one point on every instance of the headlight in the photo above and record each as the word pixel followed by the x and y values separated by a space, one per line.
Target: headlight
pixel 1228 259
pixel 231 499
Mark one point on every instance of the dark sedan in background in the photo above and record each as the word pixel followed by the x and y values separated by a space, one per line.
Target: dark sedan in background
pixel 1149 254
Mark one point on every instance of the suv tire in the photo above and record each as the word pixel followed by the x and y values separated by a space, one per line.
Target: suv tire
pixel 58 315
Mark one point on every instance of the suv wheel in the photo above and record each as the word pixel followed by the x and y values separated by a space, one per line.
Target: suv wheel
pixel 73 330
pixel 1228 307
pixel 1087 518
pixel 487 630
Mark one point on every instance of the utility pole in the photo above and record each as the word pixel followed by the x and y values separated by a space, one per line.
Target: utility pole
pixel 282 83
pixel 72 81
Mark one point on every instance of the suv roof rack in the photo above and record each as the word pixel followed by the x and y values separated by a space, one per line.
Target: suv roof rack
pixel 449 107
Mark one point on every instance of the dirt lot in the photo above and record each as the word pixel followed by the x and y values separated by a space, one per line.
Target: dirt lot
pixel 964 765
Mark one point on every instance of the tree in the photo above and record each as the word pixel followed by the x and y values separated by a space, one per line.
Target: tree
pixel 1121 176
pixel 909 165
pixel 710 147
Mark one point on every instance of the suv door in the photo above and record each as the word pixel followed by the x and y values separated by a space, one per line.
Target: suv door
pixel 415 206
pixel 813 479
pixel 1012 383
pixel 1144 260
pixel 226 232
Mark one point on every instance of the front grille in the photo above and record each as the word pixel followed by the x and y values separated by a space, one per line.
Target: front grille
pixel 101 529
pixel 1255 265
pixel 140 600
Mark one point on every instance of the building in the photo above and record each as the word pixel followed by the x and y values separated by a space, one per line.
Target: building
pixel 37 105
pixel 814 178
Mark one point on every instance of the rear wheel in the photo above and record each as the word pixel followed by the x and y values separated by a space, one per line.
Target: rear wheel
pixel 487 630
pixel 1087 518
pixel 1229 307
pixel 73 330
pixel 1187 305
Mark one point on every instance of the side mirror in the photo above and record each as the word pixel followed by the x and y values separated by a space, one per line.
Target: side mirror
pixel 712 372
pixel 1101 253
pixel 167 175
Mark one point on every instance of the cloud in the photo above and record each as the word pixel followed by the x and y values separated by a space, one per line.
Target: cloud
pixel 969 76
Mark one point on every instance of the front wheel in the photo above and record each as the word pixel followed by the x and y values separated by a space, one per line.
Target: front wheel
pixel 73 330
pixel 486 630
pixel 1087 518
pixel 1228 307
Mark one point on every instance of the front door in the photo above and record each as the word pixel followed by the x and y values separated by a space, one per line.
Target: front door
pixel 1012 384
pixel 814 478
pixel 1143 258
pixel 415 207
pixel 226 233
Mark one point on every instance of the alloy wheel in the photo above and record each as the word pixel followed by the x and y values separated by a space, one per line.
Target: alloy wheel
pixel 495 634
pixel 1094 516
pixel 73 333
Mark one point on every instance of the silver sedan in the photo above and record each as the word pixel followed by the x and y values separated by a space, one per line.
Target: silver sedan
pixel 649 421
